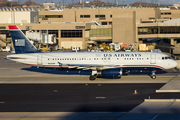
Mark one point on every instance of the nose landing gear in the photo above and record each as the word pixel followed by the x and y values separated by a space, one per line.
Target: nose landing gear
pixel 153 75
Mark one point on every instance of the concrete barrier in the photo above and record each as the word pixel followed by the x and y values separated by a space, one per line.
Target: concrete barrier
pixel 167 91
pixel 161 100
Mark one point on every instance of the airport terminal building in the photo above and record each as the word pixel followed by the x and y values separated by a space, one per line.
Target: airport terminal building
pixel 81 27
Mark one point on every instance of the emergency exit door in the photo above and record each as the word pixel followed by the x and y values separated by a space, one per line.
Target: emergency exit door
pixel 153 59
pixel 39 59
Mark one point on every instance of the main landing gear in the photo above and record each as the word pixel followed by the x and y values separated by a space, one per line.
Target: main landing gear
pixel 153 75
pixel 93 76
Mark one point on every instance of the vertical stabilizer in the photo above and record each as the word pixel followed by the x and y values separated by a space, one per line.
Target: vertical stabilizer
pixel 21 42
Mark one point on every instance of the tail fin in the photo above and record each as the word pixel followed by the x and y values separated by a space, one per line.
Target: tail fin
pixel 21 42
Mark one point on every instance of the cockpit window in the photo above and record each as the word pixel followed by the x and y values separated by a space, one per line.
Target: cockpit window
pixel 165 58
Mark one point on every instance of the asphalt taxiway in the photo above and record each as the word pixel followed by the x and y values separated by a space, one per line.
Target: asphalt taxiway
pixel 27 92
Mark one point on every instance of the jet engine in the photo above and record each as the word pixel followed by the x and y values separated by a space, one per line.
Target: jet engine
pixel 111 73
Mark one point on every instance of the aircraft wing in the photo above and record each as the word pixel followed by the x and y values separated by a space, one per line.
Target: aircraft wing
pixel 88 66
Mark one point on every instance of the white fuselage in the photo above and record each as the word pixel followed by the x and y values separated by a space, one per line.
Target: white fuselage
pixel 97 59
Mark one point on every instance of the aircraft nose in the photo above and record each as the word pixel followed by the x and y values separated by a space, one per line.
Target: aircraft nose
pixel 178 64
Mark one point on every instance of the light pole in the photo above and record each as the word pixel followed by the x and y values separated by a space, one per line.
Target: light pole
pixel 83 11
pixel 158 2
pixel 63 4
pixel 11 12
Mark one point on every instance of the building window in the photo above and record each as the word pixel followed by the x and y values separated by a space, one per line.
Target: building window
pixel 104 23
pixel 53 32
pixel 71 33
pixel 100 32
pixel 2 27
pixel 147 30
pixel 45 17
pixel 166 13
pixel 98 16
pixel 7 32
pixel 101 17
pixel 53 16
pixel 110 16
pixel 80 27
pixel 163 30
pixel 170 30
pixel 85 16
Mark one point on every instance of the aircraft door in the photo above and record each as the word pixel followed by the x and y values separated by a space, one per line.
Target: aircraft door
pixel 39 59
pixel 152 58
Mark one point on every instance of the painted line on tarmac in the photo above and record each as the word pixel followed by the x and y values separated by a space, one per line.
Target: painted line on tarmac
pixel 100 97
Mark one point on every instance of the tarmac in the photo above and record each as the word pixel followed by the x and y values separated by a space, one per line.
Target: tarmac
pixel 171 86
pixel 150 109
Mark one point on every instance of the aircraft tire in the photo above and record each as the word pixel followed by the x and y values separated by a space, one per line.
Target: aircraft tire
pixel 92 77
pixel 153 76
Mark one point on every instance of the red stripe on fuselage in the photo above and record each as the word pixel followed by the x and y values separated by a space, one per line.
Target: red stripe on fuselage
pixel 13 27
pixel 141 66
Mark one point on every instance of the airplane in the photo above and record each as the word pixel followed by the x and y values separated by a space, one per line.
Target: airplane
pixel 104 64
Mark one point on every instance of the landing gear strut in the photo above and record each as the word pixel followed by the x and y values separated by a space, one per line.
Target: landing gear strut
pixel 93 76
pixel 120 72
pixel 153 75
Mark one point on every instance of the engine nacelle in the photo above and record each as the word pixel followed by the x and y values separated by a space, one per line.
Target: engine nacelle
pixel 111 73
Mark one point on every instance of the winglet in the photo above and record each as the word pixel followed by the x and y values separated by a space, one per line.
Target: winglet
pixel 13 27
